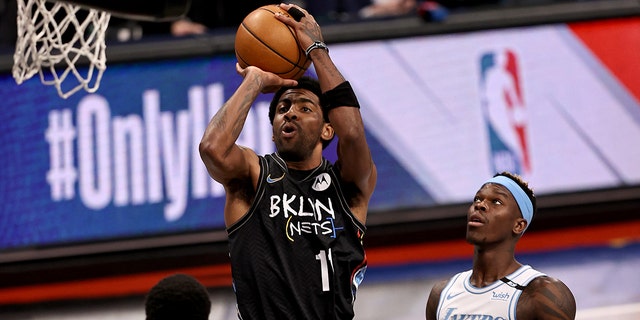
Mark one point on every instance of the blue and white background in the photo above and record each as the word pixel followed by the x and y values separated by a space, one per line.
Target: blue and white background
pixel 442 114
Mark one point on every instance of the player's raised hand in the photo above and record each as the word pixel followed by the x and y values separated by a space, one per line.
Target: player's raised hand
pixel 305 25
pixel 269 82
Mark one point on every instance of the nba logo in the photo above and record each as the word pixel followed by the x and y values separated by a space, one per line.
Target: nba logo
pixel 504 112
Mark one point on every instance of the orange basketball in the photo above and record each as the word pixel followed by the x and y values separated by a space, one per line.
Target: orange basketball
pixel 265 42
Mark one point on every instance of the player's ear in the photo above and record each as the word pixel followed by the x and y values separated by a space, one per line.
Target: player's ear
pixel 520 226
pixel 327 132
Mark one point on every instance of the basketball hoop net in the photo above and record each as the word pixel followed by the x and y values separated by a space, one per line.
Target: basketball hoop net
pixel 54 36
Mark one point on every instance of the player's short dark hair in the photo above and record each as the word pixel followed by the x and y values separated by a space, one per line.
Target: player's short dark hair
pixel 307 83
pixel 179 296
pixel 523 184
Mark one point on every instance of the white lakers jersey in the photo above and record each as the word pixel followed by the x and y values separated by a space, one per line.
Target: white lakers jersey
pixel 498 301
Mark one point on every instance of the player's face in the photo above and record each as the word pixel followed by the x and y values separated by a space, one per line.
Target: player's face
pixel 298 124
pixel 492 215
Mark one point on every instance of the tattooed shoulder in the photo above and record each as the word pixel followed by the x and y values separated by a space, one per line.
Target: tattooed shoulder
pixel 546 298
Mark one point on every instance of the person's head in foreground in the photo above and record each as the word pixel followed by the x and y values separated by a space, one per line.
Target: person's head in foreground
pixel 178 297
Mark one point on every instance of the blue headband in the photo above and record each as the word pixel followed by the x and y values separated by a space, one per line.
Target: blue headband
pixel 523 201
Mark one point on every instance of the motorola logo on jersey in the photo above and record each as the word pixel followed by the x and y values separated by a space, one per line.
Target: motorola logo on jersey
pixel 322 182
pixel 505 111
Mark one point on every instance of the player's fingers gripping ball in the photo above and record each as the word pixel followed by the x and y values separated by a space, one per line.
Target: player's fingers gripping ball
pixel 296 14
pixel 267 43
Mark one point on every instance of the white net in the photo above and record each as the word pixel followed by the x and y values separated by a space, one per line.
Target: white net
pixel 55 36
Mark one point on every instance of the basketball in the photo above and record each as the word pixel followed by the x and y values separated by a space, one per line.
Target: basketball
pixel 265 42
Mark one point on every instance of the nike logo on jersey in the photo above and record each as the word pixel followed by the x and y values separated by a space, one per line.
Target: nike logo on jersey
pixel 272 180
pixel 451 296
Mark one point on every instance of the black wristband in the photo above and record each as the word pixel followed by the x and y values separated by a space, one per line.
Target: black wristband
pixel 340 96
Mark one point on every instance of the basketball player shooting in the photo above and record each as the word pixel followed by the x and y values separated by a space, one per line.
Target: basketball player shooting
pixel 295 221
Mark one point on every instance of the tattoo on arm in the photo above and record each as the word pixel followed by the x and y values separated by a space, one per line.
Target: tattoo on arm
pixel 245 104
pixel 237 127
pixel 313 30
pixel 554 300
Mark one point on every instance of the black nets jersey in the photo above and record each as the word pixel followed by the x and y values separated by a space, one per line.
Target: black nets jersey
pixel 297 253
